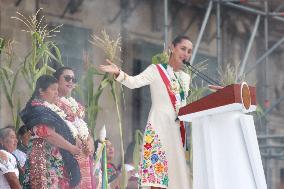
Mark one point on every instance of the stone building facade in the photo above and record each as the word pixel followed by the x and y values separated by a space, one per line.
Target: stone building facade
pixel 141 25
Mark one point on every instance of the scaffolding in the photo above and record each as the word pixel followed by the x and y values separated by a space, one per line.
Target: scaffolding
pixel 268 146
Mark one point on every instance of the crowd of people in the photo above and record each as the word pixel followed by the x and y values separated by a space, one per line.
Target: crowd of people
pixel 54 148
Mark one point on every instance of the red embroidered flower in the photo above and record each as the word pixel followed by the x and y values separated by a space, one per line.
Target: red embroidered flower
pixel 147 146
pixel 42 131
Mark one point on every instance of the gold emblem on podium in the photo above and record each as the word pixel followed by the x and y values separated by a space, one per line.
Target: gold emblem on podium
pixel 245 95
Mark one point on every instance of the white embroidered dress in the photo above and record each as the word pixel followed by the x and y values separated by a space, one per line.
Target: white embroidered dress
pixel 163 161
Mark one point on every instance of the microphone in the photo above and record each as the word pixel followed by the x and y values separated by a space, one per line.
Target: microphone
pixel 200 74
pixel 186 63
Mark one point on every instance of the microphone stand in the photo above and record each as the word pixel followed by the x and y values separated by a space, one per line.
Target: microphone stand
pixel 200 74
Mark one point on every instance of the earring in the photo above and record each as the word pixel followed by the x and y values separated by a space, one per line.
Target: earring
pixel 170 51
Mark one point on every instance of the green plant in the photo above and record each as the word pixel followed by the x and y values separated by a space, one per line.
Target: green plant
pixel 8 78
pixel 36 62
pixel 196 91
pixel 229 75
pixel 161 58
pixel 89 94
pixel 110 48
pixel 137 148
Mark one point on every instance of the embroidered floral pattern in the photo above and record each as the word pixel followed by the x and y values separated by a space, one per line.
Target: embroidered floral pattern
pixel 44 167
pixel 154 166
pixel 112 172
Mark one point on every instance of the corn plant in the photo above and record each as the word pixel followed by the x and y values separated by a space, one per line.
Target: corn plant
pixel 86 91
pixel 8 78
pixel 111 48
pixel 229 74
pixel 36 62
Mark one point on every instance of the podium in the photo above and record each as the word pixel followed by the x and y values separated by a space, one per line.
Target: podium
pixel 225 148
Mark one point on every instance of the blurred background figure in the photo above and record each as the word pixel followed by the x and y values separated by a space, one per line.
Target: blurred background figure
pixel 113 173
pixel 9 172
pixel 130 167
pixel 112 170
pixel 23 136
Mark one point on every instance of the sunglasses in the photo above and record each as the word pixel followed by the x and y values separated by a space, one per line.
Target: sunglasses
pixel 69 78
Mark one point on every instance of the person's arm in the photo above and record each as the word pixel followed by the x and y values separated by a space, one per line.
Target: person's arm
pixel 55 139
pixel 142 79
pixel 13 180
pixel 8 168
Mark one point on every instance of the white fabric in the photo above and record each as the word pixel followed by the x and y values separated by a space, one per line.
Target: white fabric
pixel 162 117
pixel 21 156
pixel 226 153
pixel 7 166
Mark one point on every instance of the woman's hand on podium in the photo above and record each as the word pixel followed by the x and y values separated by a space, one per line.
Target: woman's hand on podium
pixel 215 87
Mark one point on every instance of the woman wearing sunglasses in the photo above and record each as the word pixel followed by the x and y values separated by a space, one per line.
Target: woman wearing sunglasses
pixel 75 113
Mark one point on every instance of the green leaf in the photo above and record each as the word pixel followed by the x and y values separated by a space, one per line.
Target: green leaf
pixel 37 38
pixel 5 74
pixel 41 71
pixel 161 58
pixel 6 91
pixel 14 81
pixel 18 118
pixel 104 83
pixel 51 55
pixel 2 44
pixel 58 53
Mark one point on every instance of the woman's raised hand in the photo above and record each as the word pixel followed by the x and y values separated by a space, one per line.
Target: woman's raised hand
pixel 110 67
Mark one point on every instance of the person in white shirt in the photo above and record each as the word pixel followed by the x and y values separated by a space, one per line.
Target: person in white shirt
pixel 9 172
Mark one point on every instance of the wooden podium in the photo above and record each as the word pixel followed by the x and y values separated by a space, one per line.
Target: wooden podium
pixel 225 148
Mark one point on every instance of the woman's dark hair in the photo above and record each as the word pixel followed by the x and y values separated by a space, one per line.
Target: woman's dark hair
pixel 59 71
pixel 178 39
pixel 22 130
pixel 43 82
